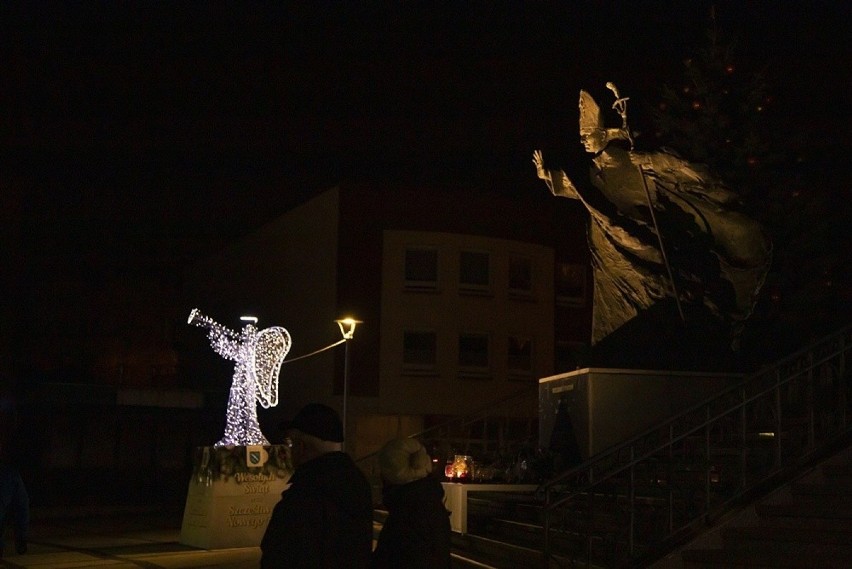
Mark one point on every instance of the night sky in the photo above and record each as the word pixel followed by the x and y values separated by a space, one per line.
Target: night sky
pixel 139 135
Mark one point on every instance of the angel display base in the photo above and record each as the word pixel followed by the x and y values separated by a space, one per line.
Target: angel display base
pixel 231 495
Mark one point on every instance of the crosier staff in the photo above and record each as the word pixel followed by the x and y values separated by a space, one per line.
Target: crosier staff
pixel 620 106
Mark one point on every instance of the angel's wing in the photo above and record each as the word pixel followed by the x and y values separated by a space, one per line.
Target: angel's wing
pixel 272 346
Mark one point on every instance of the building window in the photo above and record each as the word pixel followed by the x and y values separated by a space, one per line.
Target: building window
pixel 520 276
pixel 419 352
pixel 519 354
pixel 570 284
pixel 421 269
pixel 474 272
pixel 473 355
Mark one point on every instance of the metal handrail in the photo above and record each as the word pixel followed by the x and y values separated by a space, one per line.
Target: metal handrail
pixel 764 400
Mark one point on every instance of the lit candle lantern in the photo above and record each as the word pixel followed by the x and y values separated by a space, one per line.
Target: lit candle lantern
pixel 463 468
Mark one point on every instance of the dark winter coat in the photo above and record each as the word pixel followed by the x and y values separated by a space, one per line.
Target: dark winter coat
pixel 14 505
pixel 324 519
pixel 416 533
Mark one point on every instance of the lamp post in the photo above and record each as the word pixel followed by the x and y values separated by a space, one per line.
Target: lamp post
pixel 347 330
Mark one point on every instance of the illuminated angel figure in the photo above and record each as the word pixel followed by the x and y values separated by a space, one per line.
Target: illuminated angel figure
pixel 258 356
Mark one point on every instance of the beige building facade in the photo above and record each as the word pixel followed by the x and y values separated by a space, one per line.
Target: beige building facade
pixel 474 332
pixel 458 294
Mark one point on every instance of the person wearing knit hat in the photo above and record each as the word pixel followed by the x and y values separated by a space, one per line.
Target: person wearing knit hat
pixel 404 460
pixel 416 533
pixel 325 517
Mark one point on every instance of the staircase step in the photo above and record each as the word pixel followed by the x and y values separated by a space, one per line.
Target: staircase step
pixel 568 543
pixel 495 553
pixel 816 524
pixel 459 561
pixel 833 489
pixel 519 533
pixel 785 539
pixel 839 469
pixel 823 509
pixel 482 513
pixel 531 536
pixel 484 507
pixel 806 558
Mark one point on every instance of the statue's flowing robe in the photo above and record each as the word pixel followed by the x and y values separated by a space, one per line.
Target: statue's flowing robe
pixel 717 256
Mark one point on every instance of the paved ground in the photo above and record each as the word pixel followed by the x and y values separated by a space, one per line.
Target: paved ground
pixel 116 540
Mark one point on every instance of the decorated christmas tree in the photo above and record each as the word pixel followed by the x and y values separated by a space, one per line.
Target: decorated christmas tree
pixel 722 113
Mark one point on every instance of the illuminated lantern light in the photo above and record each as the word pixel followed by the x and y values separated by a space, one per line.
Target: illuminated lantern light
pixel 448 470
pixel 463 468
pixel 258 356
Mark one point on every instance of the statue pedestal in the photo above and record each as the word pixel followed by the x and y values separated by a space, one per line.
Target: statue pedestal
pixel 231 495
pixel 586 411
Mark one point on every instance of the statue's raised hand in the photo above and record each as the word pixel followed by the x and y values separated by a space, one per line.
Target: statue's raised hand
pixel 538 160
pixel 556 180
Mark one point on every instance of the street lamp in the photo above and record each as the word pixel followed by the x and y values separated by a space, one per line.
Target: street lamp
pixel 347 330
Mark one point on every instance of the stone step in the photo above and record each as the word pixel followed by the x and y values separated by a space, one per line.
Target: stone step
pixel 832 488
pixel 806 558
pixel 836 471
pixel 565 542
pixel 486 508
pixel 811 528
pixel 460 561
pixel 819 509
pixel 840 469
pixel 500 554
pixel 793 540
pixel 816 524
pixel 495 553
pixel 518 533
pixel 483 512
pixel 531 536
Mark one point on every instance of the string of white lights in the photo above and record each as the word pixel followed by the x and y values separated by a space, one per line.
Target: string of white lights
pixel 258 357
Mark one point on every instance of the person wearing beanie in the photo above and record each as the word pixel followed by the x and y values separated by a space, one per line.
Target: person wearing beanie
pixel 324 519
pixel 416 533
